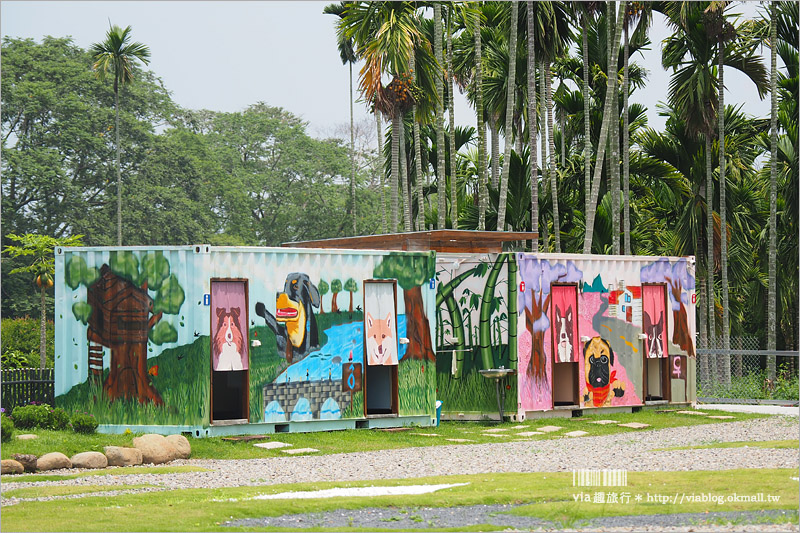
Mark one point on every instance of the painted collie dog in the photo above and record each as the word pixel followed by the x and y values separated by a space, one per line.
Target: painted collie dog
pixel 564 332
pixel 381 344
pixel 228 340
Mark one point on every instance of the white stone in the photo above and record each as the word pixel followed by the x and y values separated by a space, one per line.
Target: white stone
pixel 528 433
pixel 271 445
pixel 721 417
pixel 577 433
pixel 27 436
pixel 300 450
pixel 495 435
pixel 495 430
pixel 460 440
pixel 426 434
pixel 603 422
pixel 634 425
pixel 691 413
pixel 549 429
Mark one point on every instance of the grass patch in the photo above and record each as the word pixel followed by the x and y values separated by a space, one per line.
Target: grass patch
pixel 772 444
pixel 68 490
pixel 417 384
pixel 362 440
pixel 121 471
pixel 472 392
pixel 549 495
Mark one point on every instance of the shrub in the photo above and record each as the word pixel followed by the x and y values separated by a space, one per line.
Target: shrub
pixel 7 429
pixel 21 335
pixel 83 423
pixel 32 416
pixel 11 359
pixel 59 419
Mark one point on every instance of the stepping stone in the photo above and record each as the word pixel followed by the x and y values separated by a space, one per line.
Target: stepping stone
pixel 460 440
pixel 271 445
pixel 245 438
pixel 576 433
pixel 27 436
pixel 603 422
pixel 300 450
pixel 528 433
pixel 700 413
pixel 721 417
pixel 518 427
pixel 549 429
pixel 426 434
pixel 495 430
pixel 634 425
pixel 496 435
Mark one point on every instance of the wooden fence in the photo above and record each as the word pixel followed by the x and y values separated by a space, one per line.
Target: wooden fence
pixel 22 386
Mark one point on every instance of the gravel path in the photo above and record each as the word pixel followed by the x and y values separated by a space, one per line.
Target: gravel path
pixel 461 517
pixel 631 451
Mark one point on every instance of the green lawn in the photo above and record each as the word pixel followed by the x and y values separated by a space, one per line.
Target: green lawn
pixel 122 471
pixel 68 490
pixel 367 440
pixel 549 496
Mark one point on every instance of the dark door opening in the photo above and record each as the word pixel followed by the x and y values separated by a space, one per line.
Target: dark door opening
pixel 381 348
pixel 564 344
pixel 230 357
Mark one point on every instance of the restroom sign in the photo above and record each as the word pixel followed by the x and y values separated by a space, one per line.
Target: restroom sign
pixel 433 283
pixel 206 299
pixel 521 286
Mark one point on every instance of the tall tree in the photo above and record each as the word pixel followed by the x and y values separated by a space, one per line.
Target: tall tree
pixel 40 250
pixel 451 114
pixel 348 56
pixel 511 89
pixel 773 192
pixel 533 126
pixel 476 32
pixel 441 187
pixel 118 54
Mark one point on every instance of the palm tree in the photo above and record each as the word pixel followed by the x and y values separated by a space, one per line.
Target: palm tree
pixel 348 57
pixel 418 159
pixel 476 32
pixel 588 9
pixel 441 189
pixel 773 191
pixel 385 34
pixel 451 114
pixel 532 126
pixel 512 64
pixel 118 54
pixel 607 118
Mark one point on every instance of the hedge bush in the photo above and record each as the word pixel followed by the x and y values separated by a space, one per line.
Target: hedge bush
pixel 32 416
pixel 6 428
pixel 83 423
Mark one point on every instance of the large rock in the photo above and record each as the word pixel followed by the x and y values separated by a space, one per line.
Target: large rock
pixel 10 466
pixel 53 461
pixel 27 460
pixel 156 449
pixel 181 444
pixel 89 460
pixel 119 456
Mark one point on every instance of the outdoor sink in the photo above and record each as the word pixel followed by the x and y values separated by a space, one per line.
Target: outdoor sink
pixel 496 372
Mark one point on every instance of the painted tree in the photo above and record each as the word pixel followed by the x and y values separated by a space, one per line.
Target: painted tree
pixel 351 286
pixel 40 250
pixel 336 288
pixel 122 315
pixel 117 54
pixel 411 272
pixel 323 288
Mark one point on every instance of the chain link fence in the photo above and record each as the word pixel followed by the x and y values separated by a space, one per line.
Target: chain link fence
pixel 741 372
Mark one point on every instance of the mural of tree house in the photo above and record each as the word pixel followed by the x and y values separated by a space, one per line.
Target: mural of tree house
pixel 120 320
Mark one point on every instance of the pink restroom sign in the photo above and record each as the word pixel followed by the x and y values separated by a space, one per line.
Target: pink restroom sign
pixel 654 320
pixel 564 322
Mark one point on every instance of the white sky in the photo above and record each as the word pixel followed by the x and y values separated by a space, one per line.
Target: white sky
pixel 226 56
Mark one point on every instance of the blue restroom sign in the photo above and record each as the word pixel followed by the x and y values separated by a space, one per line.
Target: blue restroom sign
pixel 433 283
pixel 206 299
pixel 351 377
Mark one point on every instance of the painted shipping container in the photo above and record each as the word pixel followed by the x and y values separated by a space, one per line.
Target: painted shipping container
pixel 605 331
pixel 218 340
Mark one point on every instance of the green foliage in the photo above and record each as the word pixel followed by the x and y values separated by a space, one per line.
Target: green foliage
pixel 83 423
pixel 410 270
pixel 336 286
pixel 21 336
pixel 12 359
pixel 323 287
pixel 125 265
pixel 6 428
pixel 416 383
pixel 170 296
pixel 40 249
pixel 77 272
pixel 351 285
pixel 59 419
pixel 82 311
pixel 32 416
pixel 155 269
pixel 163 332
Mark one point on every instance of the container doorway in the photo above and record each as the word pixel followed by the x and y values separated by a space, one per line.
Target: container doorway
pixel 230 357
pixel 381 348
pixel 656 378
pixel 564 344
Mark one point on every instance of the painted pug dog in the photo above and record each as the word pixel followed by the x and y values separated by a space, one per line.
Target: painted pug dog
pixel 294 325
pixel 600 379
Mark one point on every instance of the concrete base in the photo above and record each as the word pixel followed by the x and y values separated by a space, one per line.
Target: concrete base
pixel 225 430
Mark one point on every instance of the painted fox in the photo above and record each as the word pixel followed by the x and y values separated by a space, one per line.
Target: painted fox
pixel 381 343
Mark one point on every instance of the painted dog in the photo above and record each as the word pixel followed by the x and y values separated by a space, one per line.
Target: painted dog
pixel 294 323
